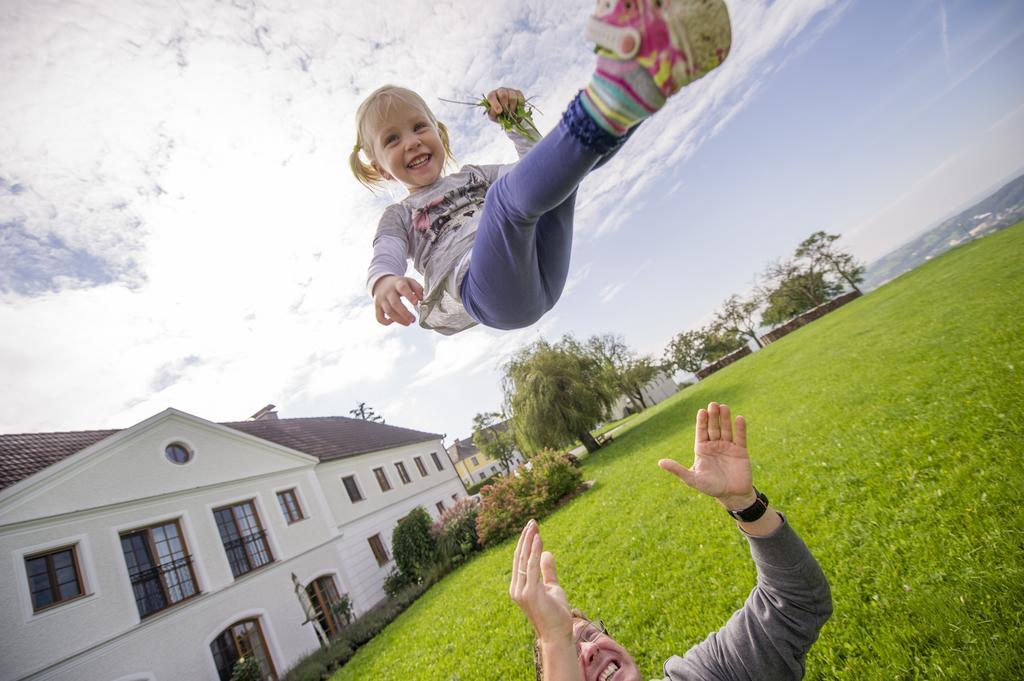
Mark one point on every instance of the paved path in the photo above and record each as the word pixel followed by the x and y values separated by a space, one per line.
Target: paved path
pixel 581 450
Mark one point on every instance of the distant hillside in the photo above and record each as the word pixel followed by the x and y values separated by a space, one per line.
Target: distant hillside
pixel 1000 210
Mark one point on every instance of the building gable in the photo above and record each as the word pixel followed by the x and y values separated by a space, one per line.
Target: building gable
pixel 133 464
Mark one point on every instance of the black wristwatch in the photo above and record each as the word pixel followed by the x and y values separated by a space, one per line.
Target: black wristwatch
pixel 752 512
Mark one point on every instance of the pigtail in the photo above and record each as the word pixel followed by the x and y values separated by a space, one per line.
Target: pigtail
pixel 442 132
pixel 365 173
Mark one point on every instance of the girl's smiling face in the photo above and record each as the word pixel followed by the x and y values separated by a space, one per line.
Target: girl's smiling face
pixel 407 146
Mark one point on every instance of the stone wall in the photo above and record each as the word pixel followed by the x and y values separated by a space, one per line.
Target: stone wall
pixel 723 362
pixel 808 317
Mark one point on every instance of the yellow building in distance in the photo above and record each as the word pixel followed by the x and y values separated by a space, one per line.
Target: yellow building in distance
pixel 473 465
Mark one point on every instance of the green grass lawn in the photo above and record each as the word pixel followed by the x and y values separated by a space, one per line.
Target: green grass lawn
pixel 890 432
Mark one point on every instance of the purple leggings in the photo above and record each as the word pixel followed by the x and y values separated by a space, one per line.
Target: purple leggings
pixel 520 257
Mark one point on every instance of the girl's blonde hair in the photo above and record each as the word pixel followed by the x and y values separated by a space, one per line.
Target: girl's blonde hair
pixel 376 107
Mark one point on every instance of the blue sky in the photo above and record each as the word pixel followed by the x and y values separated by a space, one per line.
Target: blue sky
pixel 177 227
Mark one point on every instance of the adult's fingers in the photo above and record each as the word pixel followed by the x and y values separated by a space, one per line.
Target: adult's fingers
pixel 701 432
pixel 516 581
pixel 547 568
pixel 714 427
pixel 725 422
pixel 741 432
pixel 416 287
pixel 533 564
pixel 678 469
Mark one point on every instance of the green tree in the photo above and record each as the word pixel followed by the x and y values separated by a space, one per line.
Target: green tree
pixel 737 316
pixel 556 393
pixel 414 548
pixel 820 248
pixel 720 341
pixel 493 436
pixel 628 372
pixel 638 373
pixel 685 352
pixel 691 350
pixel 365 412
pixel 793 289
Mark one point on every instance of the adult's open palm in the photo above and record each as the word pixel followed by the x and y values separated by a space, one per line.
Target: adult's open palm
pixel 721 466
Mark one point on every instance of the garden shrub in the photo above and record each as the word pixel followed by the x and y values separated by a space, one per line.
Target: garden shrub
pixel 473 489
pixel 560 476
pixel 313 667
pixel 396 581
pixel 506 505
pixel 246 669
pixel 454 533
pixel 412 544
pixel 342 610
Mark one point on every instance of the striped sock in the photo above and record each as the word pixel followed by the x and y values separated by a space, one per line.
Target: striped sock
pixel 620 95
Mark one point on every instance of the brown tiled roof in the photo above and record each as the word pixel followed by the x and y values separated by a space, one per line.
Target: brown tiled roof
pixel 26 454
pixel 332 437
pixel 325 437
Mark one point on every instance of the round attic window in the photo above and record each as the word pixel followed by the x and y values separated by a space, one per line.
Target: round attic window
pixel 178 453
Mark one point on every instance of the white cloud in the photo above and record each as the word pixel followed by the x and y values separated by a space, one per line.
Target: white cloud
pixel 191 159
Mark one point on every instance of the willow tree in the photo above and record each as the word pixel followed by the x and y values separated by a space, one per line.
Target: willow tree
pixel 557 393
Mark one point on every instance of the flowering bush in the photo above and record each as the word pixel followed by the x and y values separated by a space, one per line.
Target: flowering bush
pixel 506 505
pixel 455 531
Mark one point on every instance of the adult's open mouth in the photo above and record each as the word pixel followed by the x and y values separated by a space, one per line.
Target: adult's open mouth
pixel 608 672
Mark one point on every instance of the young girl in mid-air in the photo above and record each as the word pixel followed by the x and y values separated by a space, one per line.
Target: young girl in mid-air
pixel 493 242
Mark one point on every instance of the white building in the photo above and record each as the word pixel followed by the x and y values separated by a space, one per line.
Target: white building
pixel 168 549
pixel 660 388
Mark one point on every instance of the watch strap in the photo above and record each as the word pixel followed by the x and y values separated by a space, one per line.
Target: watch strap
pixel 754 511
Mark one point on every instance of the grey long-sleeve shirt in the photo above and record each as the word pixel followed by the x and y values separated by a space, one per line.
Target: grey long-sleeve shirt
pixel 435 228
pixel 768 638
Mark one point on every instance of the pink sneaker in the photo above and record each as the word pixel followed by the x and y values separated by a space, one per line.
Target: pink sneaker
pixel 677 41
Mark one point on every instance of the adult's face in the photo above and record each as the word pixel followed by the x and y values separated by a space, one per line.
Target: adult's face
pixel 601 657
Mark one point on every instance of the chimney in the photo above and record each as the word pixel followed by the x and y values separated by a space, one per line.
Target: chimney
pixel 267 413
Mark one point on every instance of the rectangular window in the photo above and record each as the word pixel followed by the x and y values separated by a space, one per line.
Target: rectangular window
pixel 440 506
pixel 53 577
pixel 402 473
pixel 382 479
pixel 483 476
pixel 437 461
pixel 159 567
pixel 379 552
pixel 244 539
pixel 290 506
pixel 419 465
pixel 352 488
pixel 473 461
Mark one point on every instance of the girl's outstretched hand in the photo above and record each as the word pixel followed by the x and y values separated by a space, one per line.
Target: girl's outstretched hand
pixel 502 100
pixel 536 590
pixel 387 299
pixel 721 465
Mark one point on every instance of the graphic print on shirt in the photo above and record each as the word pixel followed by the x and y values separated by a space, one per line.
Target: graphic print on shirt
pixel 450 211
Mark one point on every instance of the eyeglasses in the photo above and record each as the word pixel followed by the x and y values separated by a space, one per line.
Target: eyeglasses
pixel 590 633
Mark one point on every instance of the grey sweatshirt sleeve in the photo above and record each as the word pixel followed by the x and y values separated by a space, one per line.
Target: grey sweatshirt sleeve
pixel 390 247
pixel 768 638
